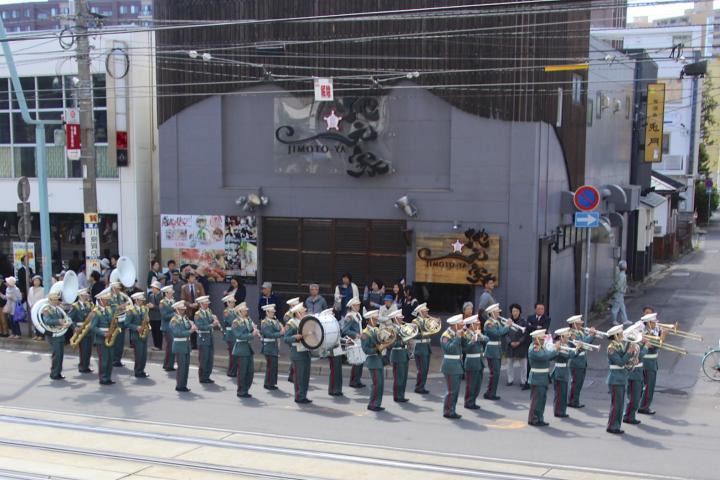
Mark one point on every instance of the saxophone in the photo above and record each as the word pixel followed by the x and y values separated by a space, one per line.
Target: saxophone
pixel 112 333
pixel 145 327
pixel 81 332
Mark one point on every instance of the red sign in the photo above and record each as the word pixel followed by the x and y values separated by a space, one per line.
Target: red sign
pixel 72 141
pixel 324 90
pixel 586 198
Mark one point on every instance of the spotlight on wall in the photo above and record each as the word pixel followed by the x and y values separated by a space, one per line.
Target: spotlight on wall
pixel 252 202
pixel 456 226
pixel 404 204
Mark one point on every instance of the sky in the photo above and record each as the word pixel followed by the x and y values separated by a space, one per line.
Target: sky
pixel 656 11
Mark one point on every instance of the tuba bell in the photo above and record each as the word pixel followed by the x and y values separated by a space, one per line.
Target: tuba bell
pixel 67 289
pixel 408 331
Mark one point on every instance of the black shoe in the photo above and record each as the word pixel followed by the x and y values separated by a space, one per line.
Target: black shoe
pixel 304 400
pixel 107 382
pixel 57 377
pixel 509 384
pixel 86 370
pixel 290 380
pixel 358 385
pixel 270 387
pixel 562 415
pixel 376 409
pixel 538 424
pixel 231 375
pixel 615 431
pixel 488 397
pixel 576 405
pixel 207 381
pixel 338 394
pixel 454 416
pixel 142 375
pixel 182 389
pixel 401 400
pixel 118 364
pixel 472 407
pixel 169 369
pixel 526 386
pixel 631 421
pixel 646 411
pixel 422 391
pixel 244 395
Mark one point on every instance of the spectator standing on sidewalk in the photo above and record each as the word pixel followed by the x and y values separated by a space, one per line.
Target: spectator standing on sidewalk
pixel 13 296
pixel 619 315
pixel 315 303
pixel 517 347
pixel 36 293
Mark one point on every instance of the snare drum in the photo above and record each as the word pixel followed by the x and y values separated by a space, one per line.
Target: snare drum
pixel 355 354
pixel 320 331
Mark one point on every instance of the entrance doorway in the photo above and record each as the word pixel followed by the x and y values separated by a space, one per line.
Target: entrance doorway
pixel 443 298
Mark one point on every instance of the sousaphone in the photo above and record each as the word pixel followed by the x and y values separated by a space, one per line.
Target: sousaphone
pixel 68 290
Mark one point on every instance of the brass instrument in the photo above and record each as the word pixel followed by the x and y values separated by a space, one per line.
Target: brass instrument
pixel 598 333
pixel 67 289
pixel 81 332
pixel 125 273
pixel 504 322
pixel 586 346
pixel 430 326
pixel 672 329
pixel 659 342
pixel 145 326
pixel 472 335
pixel 112 333
pixel 407 331
pixel 386 335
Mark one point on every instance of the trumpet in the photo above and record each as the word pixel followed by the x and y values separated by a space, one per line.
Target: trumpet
pixel 504 321
pixel 598 333
pixel 659 342
pixel 672 329
pixel 586 346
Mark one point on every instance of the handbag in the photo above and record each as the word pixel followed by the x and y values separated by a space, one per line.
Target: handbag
pixel 20 314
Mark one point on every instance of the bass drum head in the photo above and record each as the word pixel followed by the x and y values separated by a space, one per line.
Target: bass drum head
pixel 312 331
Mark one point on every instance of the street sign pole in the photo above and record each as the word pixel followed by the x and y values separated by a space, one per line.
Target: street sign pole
pixel 586 199
pixel 587 275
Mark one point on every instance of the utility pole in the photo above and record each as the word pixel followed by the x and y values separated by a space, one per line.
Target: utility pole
pixel 87 137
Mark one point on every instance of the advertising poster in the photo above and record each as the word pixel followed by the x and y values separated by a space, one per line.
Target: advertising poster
pixel 240 246
pixel 19 251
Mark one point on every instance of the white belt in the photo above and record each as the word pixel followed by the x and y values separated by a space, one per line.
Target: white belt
pixel 423 340
pixel 474 355
pixel 203 331
pixel 639 365
pixel 227 329
pixel 180 339
pixel 398 348
pixel 452 357
pixel 560 365
pixel 297 344
pixel 540 370
pixel 493 343
pixel 240 341
pixel 581 354
pixel 103 329
pixel 268 340
pixel 616 367
pixel 651 355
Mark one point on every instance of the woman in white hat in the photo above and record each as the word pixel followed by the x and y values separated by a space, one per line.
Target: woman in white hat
pixel 36 293
pixel 13 296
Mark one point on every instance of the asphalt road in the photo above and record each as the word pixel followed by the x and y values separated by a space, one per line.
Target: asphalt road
pixel 680 441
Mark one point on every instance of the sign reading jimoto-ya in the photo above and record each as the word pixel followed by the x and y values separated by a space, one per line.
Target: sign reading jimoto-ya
pixel 462 258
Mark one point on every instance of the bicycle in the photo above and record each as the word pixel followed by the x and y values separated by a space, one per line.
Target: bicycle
pixel 711 363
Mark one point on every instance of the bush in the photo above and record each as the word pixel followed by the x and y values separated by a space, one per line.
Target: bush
pixel 701 201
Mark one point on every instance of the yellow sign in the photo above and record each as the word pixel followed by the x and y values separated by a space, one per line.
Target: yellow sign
pixel 567 68
pixel 654 126
pixel 466 258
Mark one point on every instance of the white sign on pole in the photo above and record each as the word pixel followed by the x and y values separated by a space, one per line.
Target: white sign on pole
pixel 92 242
pixel 324 90
pixel 72 133
pixel 19 252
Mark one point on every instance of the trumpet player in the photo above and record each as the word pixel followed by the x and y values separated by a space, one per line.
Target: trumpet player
pixel 53 316
pixel 372 345
pixel 452 367
pixel 578 363
pixel 422 350
pixel 495 331
pixel 619 356
pixel 229 315
pixel 635 380
pixel 474 347
pixel 299 355
pixel 399 359
pixel 205 321
pixel 137 318
pixel 271 329
pixel 352 328
pixel 650 363
pixel 167 312
pixel 181 328
pixel 101 318
pixel 539 379
pixel 79 313
pixel 560 375
pixel 244 331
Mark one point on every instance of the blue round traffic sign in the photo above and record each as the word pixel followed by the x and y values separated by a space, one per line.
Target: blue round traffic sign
pixel 586 198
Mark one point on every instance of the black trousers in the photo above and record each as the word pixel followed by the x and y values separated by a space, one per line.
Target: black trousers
pixel 157 336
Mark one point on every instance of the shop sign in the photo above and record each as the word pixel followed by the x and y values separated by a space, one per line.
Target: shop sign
pixel 655 120
pixel 324 90
pixel 468 258
pixel 92 242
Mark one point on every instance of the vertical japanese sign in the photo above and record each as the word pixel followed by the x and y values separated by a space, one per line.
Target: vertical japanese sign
pixel 72 133
pixel 654 126
pixel 324 90
pixel 92 242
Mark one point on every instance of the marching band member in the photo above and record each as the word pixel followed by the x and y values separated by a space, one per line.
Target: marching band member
pixel 635 380
pixel 374 363
pixel 650 364
pixel 136 316
pixel 335 375
pixel 271 329
pixel 286 318
pixel 452 368
pixel 474 348
pixel 181 328
pixel 78 313
pixel 244 331
pixel 352 328
pixel 117 300
pixel 399 358
pixel 578 363
pixel 53 316
pixel 101 319
pixel 618 358
pixel 299 355
pixel 493 353
pixel 205 320
pixel 422 348
pixel 539 378
pixel 229 315
pixel 560 375
pixel 167 312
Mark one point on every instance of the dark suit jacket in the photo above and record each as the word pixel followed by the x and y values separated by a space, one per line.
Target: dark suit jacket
pixel 187 296
pixel 534 324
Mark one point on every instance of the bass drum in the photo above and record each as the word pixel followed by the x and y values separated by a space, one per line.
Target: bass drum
pixel 320 331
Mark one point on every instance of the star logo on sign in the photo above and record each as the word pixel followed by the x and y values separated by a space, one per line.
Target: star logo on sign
pixel 457 246
pixel 333 121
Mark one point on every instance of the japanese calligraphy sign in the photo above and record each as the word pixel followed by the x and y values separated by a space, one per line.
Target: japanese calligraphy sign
pixel 654 126
pixel 324 90
pixel 92 242
pixel 463 258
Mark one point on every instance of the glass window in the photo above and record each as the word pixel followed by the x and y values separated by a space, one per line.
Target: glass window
pixel 577 88
pixel 99 92
pixel 28 14
pixel 50 129
pixel 133 9
pixel 24 161
pixel 70 91
pixel 123 9
pixel 6 162
pixel 4 127
pixel 43 16
pixel 666 143
pixel 50 92
pixel 14 14
pixel 101 133
pixel 28 87
pixel 4 15
pixel 4 99
pixel 22 132
pixel 55 157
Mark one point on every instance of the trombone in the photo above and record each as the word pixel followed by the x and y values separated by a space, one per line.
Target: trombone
pixel 672 328
pixel 504 321
pixel 659 342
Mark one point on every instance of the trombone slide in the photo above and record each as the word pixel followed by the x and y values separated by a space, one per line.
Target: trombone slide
pixel 504 322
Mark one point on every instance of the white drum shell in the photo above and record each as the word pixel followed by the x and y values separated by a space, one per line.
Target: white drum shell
pixel 355 355
pixel 329 329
